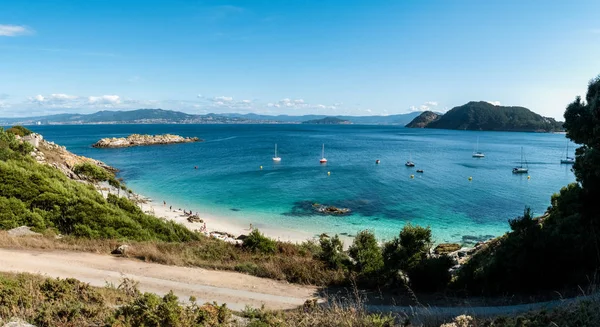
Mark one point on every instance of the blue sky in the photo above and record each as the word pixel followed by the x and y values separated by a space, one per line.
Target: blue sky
pixel 294 57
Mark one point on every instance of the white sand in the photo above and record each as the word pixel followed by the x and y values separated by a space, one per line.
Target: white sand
pixel 223 224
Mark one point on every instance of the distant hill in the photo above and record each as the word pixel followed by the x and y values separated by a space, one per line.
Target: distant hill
pixel 423 119
pixel 484 116
pixel 398 119
pixel 328 121
pixel 160 116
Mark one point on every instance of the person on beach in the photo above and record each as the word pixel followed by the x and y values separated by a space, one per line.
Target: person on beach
pixel 170 207
pixel 164 203
pixel 251 227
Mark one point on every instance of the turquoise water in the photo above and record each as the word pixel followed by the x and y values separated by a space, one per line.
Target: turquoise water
pixel 229 182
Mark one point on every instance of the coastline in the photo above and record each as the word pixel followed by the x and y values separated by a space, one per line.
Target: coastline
pixel 221 224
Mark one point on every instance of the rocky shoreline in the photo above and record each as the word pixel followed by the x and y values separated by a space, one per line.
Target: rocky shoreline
pixel 139 140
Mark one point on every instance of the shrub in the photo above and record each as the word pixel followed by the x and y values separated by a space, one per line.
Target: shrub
pixel 366 253
pixel 431 274
pixel 19 130
pixel 408 249
pixel 91 172
pixel 332 252
pixel 257 242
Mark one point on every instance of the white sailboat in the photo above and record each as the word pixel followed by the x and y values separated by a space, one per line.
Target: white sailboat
pixel 478 154
pixel 567 159
pixel 323 159
pixel 520 169
pixel 276 158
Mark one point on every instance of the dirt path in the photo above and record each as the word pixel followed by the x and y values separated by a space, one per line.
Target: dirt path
pixel 235 289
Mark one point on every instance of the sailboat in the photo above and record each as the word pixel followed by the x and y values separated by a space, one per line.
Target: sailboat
pixel 567 159
pixel 520 169
pixel 409 163
pixel 478 154
pixel 323 159
pixel 276 158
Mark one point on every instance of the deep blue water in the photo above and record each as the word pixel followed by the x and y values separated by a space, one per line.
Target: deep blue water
pixel 229 182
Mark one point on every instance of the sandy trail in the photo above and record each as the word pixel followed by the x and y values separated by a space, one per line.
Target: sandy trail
pixel 235 289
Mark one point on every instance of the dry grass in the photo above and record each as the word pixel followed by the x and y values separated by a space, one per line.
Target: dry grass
pixel 292 263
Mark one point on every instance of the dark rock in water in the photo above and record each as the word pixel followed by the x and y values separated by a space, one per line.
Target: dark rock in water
pixel 446 248
pixel 311 208
pixel 330 210
pixel 235 209
pixel 346 234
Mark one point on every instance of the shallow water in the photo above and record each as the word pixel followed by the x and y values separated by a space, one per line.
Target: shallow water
pixel 229 181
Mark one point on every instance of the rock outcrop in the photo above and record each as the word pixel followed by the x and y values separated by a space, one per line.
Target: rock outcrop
pixel 137 140
pixel 423 119
pixel 330 210
pixel 51 154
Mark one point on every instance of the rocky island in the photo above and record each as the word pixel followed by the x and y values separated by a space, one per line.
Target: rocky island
pixel 137 140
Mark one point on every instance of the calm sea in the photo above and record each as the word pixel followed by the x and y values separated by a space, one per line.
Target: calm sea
pixel 229 181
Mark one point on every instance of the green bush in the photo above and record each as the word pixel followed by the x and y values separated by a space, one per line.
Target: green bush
pixel 431 274
pixel 93 172
pixel 19 130
pixel 332 252
pixel 150 310
pixel 257 242
pixel 410 247
pixel 368 260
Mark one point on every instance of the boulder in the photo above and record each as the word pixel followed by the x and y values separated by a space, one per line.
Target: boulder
pixel 121 249
pixel 18 323
pixel 22 231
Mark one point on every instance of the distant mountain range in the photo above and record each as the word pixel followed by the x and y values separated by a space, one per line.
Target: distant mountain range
pixel 160 116
pixel 484 116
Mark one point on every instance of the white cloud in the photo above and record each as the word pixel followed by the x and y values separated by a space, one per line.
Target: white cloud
pixel 62 96
pixel 246 101
pixel 200 96
pixel 223 99
pixel 104 100
pixel 14 30
pixel 424 107
pixel 369 110
pixel 495 103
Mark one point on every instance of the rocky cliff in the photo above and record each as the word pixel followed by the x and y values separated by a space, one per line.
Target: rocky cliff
pixel 137 140
pixel 423 119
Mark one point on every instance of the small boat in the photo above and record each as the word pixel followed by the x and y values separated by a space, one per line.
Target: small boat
pixel 276 158
pixel 478 154
pixel 567 160
pixel 377 161
pixel 323 159
pixel 520 169
pixel 419 170
pixel 409 163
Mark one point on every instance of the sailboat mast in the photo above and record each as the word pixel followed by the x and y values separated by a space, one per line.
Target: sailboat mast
pixel 521 157
pixel 323 151
pixel 275 150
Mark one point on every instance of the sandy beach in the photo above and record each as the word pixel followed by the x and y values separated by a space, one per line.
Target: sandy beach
pixel 221 224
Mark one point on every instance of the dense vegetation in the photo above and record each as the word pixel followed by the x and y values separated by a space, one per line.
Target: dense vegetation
pixel 42 197
pixel 560 249
pixel 485 116
pixel 48 302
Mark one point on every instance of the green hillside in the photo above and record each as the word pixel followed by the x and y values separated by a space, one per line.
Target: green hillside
pixel 485 116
